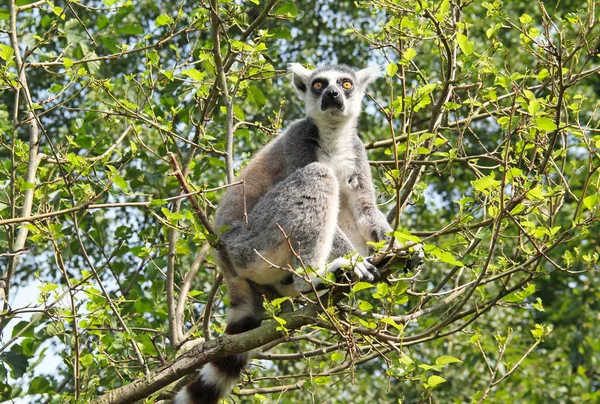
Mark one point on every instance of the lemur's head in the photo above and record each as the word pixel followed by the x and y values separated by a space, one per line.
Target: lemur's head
pixel 332 92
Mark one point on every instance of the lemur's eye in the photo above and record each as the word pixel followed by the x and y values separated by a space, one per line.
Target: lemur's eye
pixel 318 85
pixel 347 85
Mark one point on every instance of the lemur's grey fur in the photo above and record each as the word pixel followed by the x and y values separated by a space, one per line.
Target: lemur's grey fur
pixel 311 184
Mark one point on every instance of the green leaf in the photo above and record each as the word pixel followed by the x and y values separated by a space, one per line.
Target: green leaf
pixel 536 193
pixel 48 287
pixel 543 74
pixel 475 338
pixel 258 398
pixel 163 19
pixel 238 112
pixel 256 96
pixel 39 385
pixel 194 74
pixel 322 380
pixel 280 320
pixel 406 23
pixel 389 321
pixel 93 66
pixel 6 52
pixel 513 173
pixel 288 9
pixel 427 367
pixel 503 122
pixel 239 45
pixel 402 236
pixel 444 7
pixel 120 182
pixel 391 69
pixel 538 305
pixel 358 286
pixel 59 12
pixel 450 105
pixel 278 301
pixel 448 258
pixel 55 88
pixel 493 210
pixel 445 359
pixel 434 381
pixel 533 107
pixel 519 296
pixel 24 186
pixel 337 356
pixel 465 45
pixel 17 361
pixel 540 331
pixel 546 124
pixel 485 183
pixel 365 306
pixel 20 325
pixel 383 290
pixel 590 202
pixel 409 54
pixel 517 209
pixel 525 19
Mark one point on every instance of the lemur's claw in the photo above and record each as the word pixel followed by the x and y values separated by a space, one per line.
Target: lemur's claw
pixel 372 268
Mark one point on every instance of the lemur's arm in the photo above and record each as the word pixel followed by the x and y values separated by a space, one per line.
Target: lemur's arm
pixel 371 223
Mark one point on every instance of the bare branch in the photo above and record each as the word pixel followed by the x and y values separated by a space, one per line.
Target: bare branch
pixel 32 164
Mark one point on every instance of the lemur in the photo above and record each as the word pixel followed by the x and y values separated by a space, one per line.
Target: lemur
pixel 307 196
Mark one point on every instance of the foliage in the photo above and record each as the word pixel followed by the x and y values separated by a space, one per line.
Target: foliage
pixel 483 134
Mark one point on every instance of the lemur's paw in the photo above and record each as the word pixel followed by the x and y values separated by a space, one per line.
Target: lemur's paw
pixel 418 254
pixel 337 267
pixel 361 267
pixel 365 270
pixel 414 255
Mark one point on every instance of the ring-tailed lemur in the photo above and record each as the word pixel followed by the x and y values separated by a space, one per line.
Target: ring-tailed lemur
pixel 312 184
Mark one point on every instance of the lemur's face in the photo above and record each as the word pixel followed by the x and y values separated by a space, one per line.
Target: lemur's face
pixel 332 92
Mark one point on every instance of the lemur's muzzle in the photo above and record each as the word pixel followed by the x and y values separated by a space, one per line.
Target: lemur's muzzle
pixel 332 98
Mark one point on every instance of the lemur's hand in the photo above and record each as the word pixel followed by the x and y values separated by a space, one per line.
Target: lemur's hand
pixel 414 254
pixel 361 266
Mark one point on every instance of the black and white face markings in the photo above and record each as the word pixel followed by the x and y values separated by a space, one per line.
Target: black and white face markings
pixel 333 91
pixel 332 87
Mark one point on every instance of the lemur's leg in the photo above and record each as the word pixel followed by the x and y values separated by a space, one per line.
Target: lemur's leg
pixel 292 226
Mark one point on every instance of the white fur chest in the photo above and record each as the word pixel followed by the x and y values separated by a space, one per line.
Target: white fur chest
pixel 338 154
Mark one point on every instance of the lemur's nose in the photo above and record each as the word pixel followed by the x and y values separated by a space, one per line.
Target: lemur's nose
pixel 332 92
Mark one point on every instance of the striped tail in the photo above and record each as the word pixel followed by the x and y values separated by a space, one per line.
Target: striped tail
pixel 218 377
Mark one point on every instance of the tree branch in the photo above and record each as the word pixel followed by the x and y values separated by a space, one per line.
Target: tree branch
pixel 32 164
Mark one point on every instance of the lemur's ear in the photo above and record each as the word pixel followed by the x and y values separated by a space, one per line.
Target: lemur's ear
pixel 367 75
pixel 300 76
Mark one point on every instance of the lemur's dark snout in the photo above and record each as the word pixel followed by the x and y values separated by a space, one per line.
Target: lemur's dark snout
pixel 332 99
pixel 332 92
